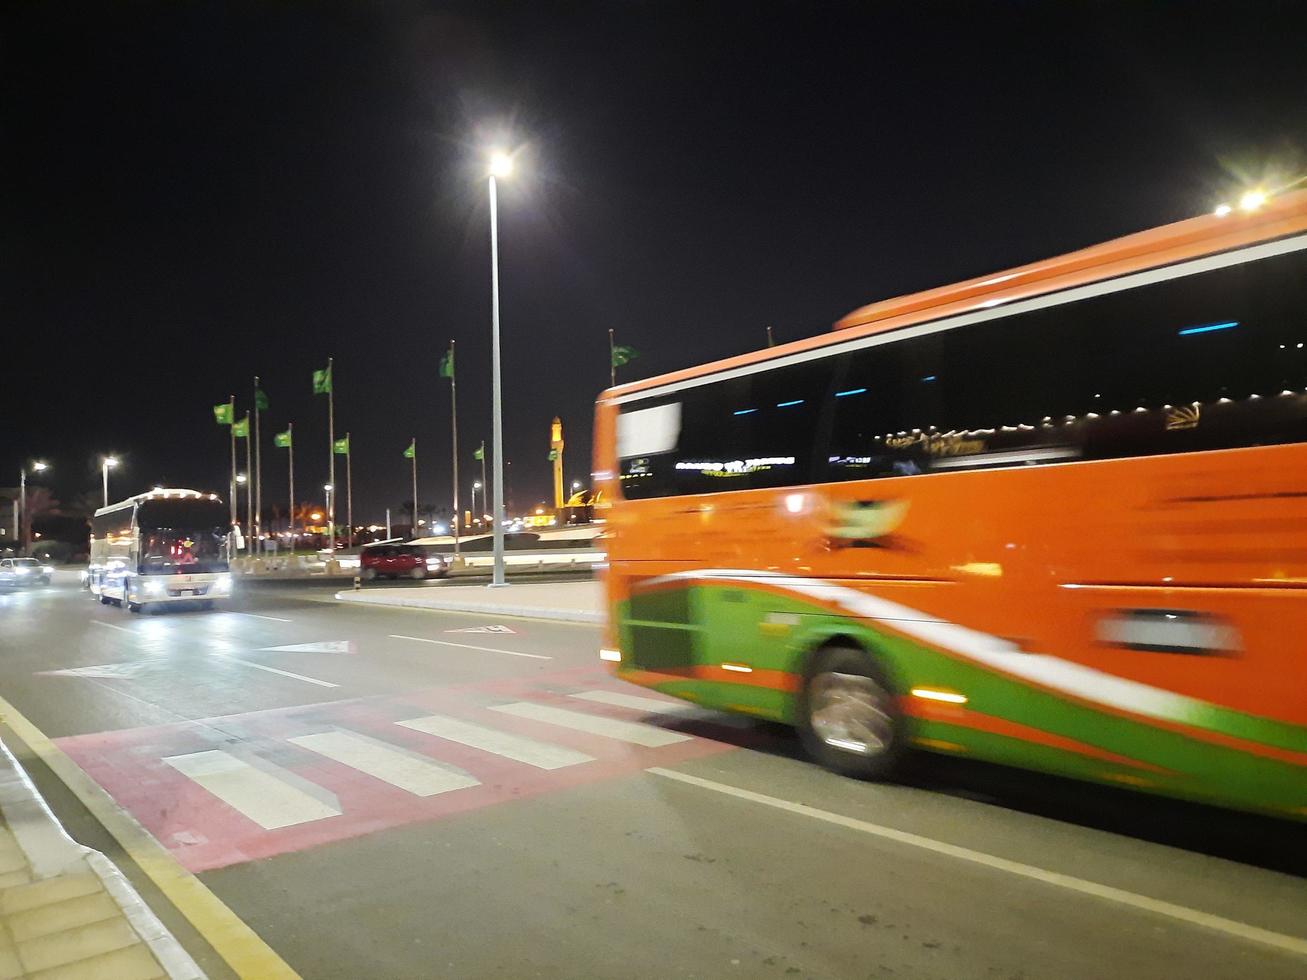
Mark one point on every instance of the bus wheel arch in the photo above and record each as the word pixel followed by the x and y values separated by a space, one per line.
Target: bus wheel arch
pixel 848 714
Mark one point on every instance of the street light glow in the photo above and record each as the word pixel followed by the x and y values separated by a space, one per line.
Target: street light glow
pixel 328 487
pixel 1252 200
pixel 39 466
pixel 241 478
pixel 501 164
pixel 476 485
pixel 110 461
pixel 1222 210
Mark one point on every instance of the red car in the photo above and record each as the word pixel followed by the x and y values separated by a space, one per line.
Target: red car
pixel 400 560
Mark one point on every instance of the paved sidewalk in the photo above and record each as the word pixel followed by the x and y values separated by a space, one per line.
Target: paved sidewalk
pixel 66 912
pixel 574 602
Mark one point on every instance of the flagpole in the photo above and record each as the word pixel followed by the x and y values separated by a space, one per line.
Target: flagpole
pixel 415 486
pixel 249 489
pixel 771 342
pixel 231 414
pixel 258 472
pixel 331 459
pixel 453 428
pixel 291 429
pixel 485 487
pixel 349 490
pixel 612 360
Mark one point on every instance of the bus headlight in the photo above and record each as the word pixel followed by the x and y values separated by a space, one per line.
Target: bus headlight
pixel 47 569
pixel 153 586
pixel 222 583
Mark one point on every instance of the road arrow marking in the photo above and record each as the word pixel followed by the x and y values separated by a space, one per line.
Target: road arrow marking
pixel 325 646
pixel 120 671
pixel 497 628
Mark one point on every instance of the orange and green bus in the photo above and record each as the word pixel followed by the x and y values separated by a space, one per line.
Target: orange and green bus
pixel 1054 517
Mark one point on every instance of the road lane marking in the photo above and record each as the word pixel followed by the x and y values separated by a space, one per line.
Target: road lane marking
pixel 1231 927
pixel 120 629
pixel 634 732
pixel 270 802
pixel 323 646
pixel 469 646
pixel 638 703
pixel 275 619
pixel 283 673
pixel 389 763
pixel 133 668
pixel 542 755
pixel 229 935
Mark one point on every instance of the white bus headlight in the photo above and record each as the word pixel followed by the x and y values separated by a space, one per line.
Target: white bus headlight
pixel 222 583
pixel 47 570
pixel 21 570
pixel 153 586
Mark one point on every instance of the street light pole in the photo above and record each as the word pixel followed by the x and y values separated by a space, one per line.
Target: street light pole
pixel 106 463
pixel 501 165
pixel 24 528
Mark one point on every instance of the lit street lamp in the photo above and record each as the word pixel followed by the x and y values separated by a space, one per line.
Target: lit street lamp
pixel 24 529
pixel 576 485
pixel 476 485
pixel 501 165
pixel 106 464
pixel 330 488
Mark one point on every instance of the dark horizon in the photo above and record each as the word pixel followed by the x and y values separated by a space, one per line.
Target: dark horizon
pixel 197 195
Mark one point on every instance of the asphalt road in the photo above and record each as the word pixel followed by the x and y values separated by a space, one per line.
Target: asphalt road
pixel 402 793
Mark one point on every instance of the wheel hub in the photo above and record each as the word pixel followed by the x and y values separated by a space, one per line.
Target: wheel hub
pixel 850 712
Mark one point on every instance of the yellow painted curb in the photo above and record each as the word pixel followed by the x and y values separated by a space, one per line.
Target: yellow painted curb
pixel 233 940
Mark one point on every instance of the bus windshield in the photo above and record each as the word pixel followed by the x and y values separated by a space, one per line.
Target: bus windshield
pixel 181 537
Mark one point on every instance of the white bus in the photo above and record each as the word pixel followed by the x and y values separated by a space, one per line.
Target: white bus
pixel 161 547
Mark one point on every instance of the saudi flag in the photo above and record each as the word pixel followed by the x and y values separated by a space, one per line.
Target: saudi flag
pixel 341 446
pixel 553 455
pixel 282 440
pixel 322 381
pixel 447 364
pixel 480 453
pixel 624 355
pixel 222 414
pixel 260 400
pixel 412 450
pixel 241 429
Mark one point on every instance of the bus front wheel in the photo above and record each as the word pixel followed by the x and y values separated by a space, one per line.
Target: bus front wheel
pixel 849 718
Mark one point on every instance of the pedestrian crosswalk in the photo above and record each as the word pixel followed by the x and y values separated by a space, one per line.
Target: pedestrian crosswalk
pixel 542 755
pixel 265 783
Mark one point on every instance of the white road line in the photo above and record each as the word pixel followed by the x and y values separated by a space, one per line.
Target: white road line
pixel 1231 927
pixel 634 732
pixel 542 755
pixel 283 673
pixel 275 619
pixel 120 629
pixel 262 797
pixel 469 646
pixel 391 764
pixel 639 704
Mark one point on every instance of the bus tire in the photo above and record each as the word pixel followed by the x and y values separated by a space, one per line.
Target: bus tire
pixel 134 607
pixel 104 599
pixel 849 719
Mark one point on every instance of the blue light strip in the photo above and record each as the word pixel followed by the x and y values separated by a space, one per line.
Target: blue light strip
pixel 744 411
pixel 797 401
pixel 929 377
pixel 851 391
pixel 1209 328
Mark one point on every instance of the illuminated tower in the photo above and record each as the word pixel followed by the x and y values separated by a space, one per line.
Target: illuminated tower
pixel 556 454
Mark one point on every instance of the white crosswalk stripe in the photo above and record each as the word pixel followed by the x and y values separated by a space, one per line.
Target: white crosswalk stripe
pixel 261 796
pixel 390 763
pixel 674 709
pixel 633 732
pixel 542 755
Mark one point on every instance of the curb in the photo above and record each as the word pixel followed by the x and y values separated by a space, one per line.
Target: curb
pixel 51 853
pixel 453 605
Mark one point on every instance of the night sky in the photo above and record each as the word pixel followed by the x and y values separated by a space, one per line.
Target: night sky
pixel 196 193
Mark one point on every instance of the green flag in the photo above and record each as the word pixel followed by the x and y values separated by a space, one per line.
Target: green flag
pixel 480 452
pixel 282 440
pixel 624 355
pixel 322 381
pixel 241 429
pixel 260 400
pixel 341 447
pixel 447 364
pixel 412 450
pixel 553 455
pixel 222 414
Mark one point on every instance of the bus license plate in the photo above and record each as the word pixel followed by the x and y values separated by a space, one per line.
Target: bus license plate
pixel 186 592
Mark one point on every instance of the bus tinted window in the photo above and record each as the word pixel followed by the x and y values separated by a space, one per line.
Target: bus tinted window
pixel 738 434
pixel 1197 363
